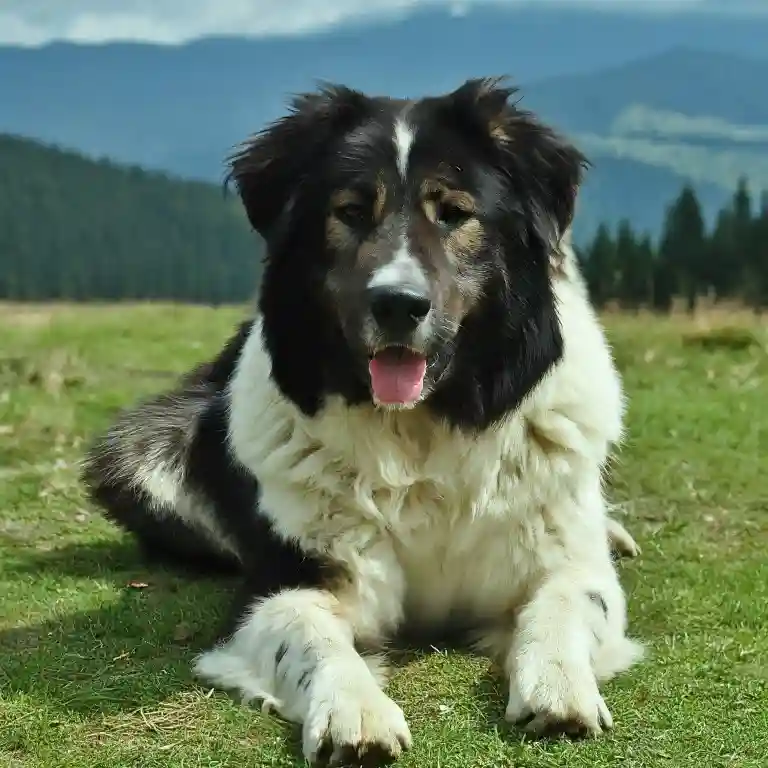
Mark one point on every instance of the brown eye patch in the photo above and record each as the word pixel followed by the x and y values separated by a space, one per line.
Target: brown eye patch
pixel 346 216
pixel 352 205
pixel 445 206
pixel 354 212
pixel 380 201
pixel 465 241
pixel 455 211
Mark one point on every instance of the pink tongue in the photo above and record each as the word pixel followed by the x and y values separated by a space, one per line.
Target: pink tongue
pixel 397 380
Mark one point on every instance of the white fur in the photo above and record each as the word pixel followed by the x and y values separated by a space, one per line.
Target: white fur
pixel 404 136
pixel 509 526
pixel 295 642
pixel 163 484
pixel 402 271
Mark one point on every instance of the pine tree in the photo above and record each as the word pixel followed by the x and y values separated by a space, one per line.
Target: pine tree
pixel 683 247
pixel 646 259
pixel 722 269
pixel 601 271
pixel 758 245
pixel 634 259
pixel 743 264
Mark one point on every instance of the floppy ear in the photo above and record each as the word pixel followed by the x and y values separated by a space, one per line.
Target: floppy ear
pixel 513 338
pixel 543 168
pixel 269 168
pixel 270 172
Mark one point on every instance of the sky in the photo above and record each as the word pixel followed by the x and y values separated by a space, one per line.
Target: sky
pixel 34 22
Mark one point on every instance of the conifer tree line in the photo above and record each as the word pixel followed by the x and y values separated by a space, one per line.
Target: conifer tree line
pixel 74 229
pixel 728 260
pixel 78 230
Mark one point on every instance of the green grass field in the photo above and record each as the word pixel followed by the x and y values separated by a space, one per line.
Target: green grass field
pixel 95 648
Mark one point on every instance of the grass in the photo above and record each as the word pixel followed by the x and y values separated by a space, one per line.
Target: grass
pixel 95 648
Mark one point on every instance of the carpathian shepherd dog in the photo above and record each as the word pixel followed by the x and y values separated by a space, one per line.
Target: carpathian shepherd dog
pixel 410 433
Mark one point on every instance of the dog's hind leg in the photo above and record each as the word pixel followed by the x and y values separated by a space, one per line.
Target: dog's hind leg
pixel 139 474
pixel 620 540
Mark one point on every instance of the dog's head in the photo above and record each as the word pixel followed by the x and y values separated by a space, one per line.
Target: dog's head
pixel 409 248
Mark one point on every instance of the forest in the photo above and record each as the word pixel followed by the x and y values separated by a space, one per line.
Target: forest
pixel 727 261
pixel 74 229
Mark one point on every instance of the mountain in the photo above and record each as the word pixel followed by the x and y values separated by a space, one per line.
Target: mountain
pixel 654 98
pixel 652 124
pixel 72 228
pixel 688 80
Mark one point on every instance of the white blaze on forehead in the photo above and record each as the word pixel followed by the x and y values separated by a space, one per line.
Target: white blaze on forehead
pixel 404 135
pixel 403 270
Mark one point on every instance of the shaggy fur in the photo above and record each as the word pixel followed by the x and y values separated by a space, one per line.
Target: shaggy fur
pixel 409 435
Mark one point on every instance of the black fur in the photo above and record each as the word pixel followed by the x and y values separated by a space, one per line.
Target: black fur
pixel 287 205
pixel 599 601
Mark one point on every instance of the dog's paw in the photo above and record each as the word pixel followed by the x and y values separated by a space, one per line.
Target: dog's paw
pixel 354 726
pixel 620 540
pixel 547 701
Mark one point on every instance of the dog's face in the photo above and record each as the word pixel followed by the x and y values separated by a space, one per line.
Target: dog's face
pixel 409 248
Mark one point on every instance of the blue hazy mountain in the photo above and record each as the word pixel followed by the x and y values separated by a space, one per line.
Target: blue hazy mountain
pixel 654 99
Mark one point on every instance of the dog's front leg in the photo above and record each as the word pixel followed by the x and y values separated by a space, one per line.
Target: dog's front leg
pixel 295 650
pixel 568 638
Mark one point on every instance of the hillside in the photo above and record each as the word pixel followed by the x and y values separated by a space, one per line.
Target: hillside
pixel 700 114
pixel 686 79
pixel 619 188
pixel 75 228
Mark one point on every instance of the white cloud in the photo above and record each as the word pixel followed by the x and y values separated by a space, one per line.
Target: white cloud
pixel 34 22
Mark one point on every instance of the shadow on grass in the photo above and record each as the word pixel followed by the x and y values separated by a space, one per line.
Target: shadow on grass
pixel 112 560
pixel 133 650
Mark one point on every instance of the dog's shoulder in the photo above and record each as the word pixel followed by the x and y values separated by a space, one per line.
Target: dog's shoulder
pixel 584 391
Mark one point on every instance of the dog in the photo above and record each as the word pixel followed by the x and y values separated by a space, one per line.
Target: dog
pixel 411 431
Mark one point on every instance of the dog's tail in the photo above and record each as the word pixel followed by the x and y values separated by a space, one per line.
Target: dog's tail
pixel 152 472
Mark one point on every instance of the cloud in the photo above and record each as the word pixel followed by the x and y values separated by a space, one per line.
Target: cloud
pixel 34 22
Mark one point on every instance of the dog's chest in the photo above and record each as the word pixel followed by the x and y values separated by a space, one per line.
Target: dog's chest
pixel 465 555
pixel 465 518
pixel 468 527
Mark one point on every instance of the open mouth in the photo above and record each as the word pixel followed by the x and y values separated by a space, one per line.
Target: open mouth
pixel 397 375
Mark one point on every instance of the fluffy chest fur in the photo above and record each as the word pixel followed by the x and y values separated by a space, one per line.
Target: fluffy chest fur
pixel 467 521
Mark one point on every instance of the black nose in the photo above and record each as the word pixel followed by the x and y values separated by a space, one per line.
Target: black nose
pixel 397 310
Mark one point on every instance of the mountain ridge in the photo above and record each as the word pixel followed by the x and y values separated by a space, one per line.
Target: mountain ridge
pixel 616 83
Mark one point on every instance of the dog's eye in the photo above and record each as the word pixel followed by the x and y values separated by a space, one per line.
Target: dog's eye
pixel 450 215
pixel 352 214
